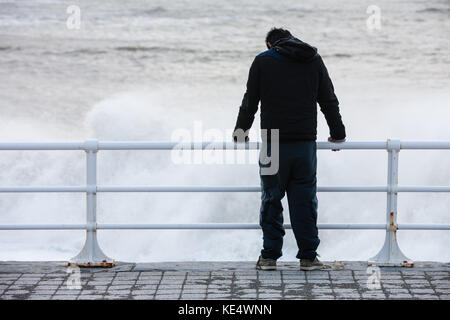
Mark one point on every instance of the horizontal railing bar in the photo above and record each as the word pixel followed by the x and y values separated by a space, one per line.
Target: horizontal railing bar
pixel 236 226
pixel 231 226
pixel 43 227
pixel 331 226
pixel 423 189
pixel 215 189
pixel 227 189
pixel 42 145
pixel 44 189
pixel 425 144
pixel 405 226
pixel 155 145
pixel 133 145
pixel 352 189
pixel 352 145
pixel 178 188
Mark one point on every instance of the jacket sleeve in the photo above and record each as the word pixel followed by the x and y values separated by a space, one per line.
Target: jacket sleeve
pixel 250 102
pixel 329 104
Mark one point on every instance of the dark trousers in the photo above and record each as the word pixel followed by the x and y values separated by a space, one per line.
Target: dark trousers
pixel 296 176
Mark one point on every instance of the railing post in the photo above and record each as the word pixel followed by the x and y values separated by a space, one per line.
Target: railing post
pixel 91 255
pixel 390 254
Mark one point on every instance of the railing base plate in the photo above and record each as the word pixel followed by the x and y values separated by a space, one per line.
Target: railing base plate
pixel 404 264
pixel 102 264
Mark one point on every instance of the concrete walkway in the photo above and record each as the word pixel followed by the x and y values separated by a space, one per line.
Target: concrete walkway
pixel 221 280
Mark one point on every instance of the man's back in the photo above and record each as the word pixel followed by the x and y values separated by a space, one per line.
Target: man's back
pixel 289 79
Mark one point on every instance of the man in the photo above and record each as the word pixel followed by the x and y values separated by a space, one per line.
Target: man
pixel 289 79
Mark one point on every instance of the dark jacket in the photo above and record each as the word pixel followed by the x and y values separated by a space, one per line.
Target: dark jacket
pixel 289 79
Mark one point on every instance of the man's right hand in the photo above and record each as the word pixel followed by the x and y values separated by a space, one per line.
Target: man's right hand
pixel 330 139
pixel 240 136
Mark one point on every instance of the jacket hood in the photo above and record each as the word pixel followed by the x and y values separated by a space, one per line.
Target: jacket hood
pixel 295 49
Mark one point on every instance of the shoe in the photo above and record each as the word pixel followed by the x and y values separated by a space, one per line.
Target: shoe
pixel 308 264
pixel 266 264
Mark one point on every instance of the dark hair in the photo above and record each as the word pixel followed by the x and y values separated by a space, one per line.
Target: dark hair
pixel 276 34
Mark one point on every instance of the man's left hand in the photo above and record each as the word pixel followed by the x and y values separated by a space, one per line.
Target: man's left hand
pixel 330 139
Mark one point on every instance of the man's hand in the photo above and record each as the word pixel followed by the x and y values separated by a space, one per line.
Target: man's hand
pixel 330 139
pixel 235 139
pixel 240 136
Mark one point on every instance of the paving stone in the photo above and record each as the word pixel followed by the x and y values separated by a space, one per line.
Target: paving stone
pixel 425 296
pixel 16 292
pixel 116 297
pixel 397 290
pixel 320 281
pixel 167 296
pixel 193 290
pixel 116 283
pixel 64 297
pixel 143 297
pixel 422 291
pixel 148 281
pixel 43 292
pixel 441 285
pixel 373 295
pixel 67 292
pixel 170 286
pixel 321 291
pixel 19 287
pixel 143 292
pixel 171 282
pixel 89 297
pixel 400 296
pixel 145 286
pixel 323 297
pixel 91 292
pixel 442 290
pixel 10 275
pixel 269 296
pixel 39 297
pixel 30 275
pixel 98 283
pixel 217 297
pixel 118 287
pixel 119 292
pixel 164 292
pixel 172 273
pixel 26 281
pixel 316 276
pixel 10 297
pixel 47 287
pixel 51 282
pixel 344 291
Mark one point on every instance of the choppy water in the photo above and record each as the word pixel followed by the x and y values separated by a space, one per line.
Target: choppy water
pixel 138 70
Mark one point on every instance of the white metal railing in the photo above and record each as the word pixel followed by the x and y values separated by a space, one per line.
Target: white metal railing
pixel 91 254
